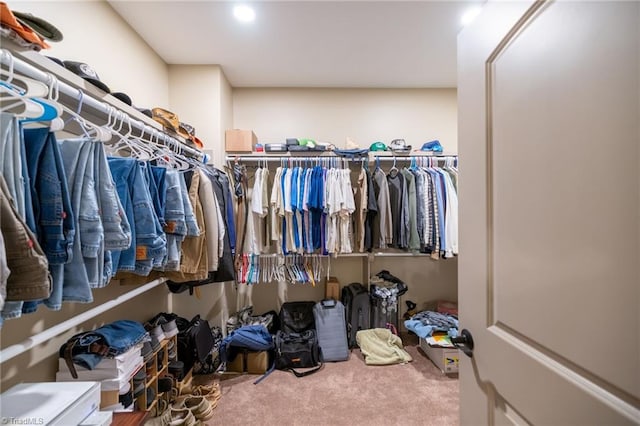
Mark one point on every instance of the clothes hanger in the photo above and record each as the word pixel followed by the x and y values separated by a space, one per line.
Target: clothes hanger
pixel 13 99
pixel 89 129
pixel 25 86
pixel 393 171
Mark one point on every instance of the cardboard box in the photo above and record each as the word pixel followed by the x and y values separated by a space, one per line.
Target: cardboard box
pixel 332 289
pixel 240 140
pixel 251 362
pixel 446 359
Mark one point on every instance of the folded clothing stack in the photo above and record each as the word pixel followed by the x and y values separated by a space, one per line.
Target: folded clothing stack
pixel 112 373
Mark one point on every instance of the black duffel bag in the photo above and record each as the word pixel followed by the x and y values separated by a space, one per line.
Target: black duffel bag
pixel 298 350
pixel 195 342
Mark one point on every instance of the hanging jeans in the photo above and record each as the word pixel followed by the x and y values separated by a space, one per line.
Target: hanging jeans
pixel 51 207
pixel 117 230
pixel 76 155
pixel 175 227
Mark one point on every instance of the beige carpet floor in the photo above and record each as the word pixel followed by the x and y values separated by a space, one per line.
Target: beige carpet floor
pixel 342 393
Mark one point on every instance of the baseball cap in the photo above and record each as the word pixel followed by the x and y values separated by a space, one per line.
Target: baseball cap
pixel 309 143
pixel 378 146
pixel 43 28
pixel 123 97
pixel 432 146
pixel 86 72
pixel 9 20
pixel 399 145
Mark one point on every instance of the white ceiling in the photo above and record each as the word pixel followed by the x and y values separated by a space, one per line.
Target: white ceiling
pixel 388 44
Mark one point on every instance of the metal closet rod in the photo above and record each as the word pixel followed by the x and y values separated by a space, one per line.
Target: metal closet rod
pixel 28 70
pixel 277 158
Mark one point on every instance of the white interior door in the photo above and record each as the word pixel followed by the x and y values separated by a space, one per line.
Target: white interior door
pixel 549 270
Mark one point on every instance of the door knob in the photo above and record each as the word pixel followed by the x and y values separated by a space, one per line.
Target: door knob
pixel 464 342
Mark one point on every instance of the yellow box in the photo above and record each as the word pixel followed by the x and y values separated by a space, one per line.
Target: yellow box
pixel 236 140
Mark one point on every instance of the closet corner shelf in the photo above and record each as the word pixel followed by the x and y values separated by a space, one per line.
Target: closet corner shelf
pixel 261 156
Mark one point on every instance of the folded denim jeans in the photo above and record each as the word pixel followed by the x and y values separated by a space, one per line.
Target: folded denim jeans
pixel 89 348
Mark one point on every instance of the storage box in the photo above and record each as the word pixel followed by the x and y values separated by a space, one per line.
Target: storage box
pixel 50 403
pixel 240 140
pixel 446 359
pixel 332 289
pixel 252 362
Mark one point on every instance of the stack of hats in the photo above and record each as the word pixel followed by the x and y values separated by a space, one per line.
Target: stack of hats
pixel 26 29
pixel 173 125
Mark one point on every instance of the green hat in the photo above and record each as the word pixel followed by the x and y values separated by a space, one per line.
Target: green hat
pixel 307 142
pixel 378 146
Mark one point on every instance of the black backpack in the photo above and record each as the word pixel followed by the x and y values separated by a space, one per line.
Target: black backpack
pixel 195 342
pixel 355 299
pixel 297 317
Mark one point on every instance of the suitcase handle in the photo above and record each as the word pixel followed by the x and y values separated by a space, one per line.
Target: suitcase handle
pixel 328 303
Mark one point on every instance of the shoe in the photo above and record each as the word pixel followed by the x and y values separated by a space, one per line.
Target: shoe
pixel 155 330
pixel 211 392
pixel 182 417
pixel 168 324
pixel 147 352
pixel 199 406
pixel 163 418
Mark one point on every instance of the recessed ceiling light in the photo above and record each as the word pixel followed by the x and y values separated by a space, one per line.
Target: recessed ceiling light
pixel 470 15
pixel 244 13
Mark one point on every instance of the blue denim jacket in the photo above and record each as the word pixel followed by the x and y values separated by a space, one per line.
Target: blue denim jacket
pixel 89 348
pixel 149 241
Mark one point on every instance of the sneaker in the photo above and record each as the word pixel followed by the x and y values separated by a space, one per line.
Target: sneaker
pixel 168 324
pixel 164 415
pixel 155 330
pixel 211 392
pixel 182 417
pixel 199 406
pixel 147 352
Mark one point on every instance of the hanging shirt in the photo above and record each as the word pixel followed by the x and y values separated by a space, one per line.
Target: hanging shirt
pixel 276 209
pixel 209 205
pixel 347 207
pixel 361 210
pixel 384 218
pixel 397 198
pixel 372 212
pixel 414 240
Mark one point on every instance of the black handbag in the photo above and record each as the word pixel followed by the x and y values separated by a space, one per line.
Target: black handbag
pixel 195 342
pixel 298 350
pixel 296 317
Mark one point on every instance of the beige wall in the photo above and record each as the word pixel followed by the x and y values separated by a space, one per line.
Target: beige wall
pixel 365 115
pixel 202 94
pixel 96 35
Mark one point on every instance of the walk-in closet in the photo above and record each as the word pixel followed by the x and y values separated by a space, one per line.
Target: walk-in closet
pixel 319 212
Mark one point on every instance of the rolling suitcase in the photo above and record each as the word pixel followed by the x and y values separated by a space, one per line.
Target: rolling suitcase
pixel 355 299
pixel 331 329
